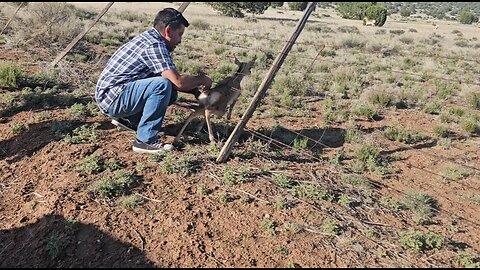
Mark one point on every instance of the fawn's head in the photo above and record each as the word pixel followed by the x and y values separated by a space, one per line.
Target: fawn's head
pixel 244 68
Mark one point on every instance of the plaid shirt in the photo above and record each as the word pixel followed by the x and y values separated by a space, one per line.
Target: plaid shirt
pixel 144 56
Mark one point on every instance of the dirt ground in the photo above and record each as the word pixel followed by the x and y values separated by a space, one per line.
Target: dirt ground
pixel 49 217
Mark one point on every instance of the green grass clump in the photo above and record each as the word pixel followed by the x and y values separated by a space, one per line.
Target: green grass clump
pixel 419 242
pixel 117 185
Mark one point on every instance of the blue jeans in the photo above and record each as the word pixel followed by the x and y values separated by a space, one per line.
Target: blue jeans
pixel 144 103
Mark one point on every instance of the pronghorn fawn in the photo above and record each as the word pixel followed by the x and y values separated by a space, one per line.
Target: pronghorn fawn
pixel 219 99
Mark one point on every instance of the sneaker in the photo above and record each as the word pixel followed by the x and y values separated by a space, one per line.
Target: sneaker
pixel 151 148
pixel 124 123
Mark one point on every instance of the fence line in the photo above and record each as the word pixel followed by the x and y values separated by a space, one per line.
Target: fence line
pixel 270 139
pixel 434 76
pixel 363 51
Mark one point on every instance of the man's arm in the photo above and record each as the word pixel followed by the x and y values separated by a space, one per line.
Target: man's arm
pixel 187 83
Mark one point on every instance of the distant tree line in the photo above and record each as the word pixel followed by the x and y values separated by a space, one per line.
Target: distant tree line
pixel 464 12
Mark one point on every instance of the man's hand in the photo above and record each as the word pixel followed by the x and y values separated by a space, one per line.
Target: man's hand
pixel 206 81
pixel 196 92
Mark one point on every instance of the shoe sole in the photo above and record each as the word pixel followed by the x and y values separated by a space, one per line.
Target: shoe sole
pixel 120 125
pixel 145 151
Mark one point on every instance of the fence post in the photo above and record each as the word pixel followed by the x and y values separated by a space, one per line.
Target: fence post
pixel 227 148
pixel 80 36
pixel 11 19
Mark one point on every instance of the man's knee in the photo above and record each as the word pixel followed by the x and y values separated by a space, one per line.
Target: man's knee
pixel 163 85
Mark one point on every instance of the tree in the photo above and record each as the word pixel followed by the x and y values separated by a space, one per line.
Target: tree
pixel 353 10
pixel 360 10
pixel 300 6
pixel 405 12
pixel 466 17
pixel 237 9
pixel 378 13
pixel 276 4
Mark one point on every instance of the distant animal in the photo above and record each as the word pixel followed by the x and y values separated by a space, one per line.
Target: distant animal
pixel 368 22
pixel 219 100
pixel 435 25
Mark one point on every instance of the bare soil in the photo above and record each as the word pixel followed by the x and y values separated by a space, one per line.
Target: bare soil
pixel 49 217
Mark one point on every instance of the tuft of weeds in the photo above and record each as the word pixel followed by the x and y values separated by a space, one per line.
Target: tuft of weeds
pixel 202 189
pixel 283 181
pixel 456 172
pixel 472 198
pixel 369 157
pixel 132 201
pixel 224 197
pixel 56 245
pixel 356 180
pixel 468 260
pixel 183 165
pixel 404 136
pixel 113 165
pixel 473 99
pixel 381 98
pixel 117 185
pixel 344 200
pixel 292 228
pixel 432 108
pixel 300 144
pixel 331 226
pixel 18 128
pixel 365 111
pixel 441 131
pixel 10 74
pixel 281 203
pixel 60 128
pixel 391 203
pixel 419 241
pixel 233 176
pixel 283 251
pixel 312 191
pixel 83 134
pixel 269 225
pixel 422 204
pixel 470 124
pixel 91 164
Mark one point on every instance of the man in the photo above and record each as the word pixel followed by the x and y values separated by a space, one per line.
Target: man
pixel 140 81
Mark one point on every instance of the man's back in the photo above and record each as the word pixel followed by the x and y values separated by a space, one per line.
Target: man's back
pixel 144 56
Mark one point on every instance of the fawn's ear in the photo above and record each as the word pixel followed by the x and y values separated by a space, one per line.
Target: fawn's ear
pixel 236 60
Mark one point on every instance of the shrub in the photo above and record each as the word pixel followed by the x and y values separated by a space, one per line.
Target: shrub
pixel 10 74
pixel 466 17
pixel 418 241
pixel 300 6
pixel 49 23
pixel 378 13
pixel 237 9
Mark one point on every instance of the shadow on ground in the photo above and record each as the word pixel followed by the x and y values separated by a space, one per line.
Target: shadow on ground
pixel 54 241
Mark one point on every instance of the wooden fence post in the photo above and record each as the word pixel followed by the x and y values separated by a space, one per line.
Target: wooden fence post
pixel 80 36
pixel 227 148
pixel 11 19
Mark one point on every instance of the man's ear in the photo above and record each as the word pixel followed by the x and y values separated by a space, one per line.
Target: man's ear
pixel 168 31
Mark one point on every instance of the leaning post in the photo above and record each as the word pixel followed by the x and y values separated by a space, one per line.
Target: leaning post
pixel 262 89
pixel 80 36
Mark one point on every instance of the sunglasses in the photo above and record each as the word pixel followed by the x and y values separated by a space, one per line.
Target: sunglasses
pixel 178 16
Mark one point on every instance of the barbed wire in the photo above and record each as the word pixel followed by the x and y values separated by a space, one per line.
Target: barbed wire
pixel 364 51
pixel 270 139
pixel 434 76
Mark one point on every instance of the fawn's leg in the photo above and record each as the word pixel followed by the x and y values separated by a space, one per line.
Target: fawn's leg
pixel 230 108
pixel 209 125
pixel 200 126
pixel 194 114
